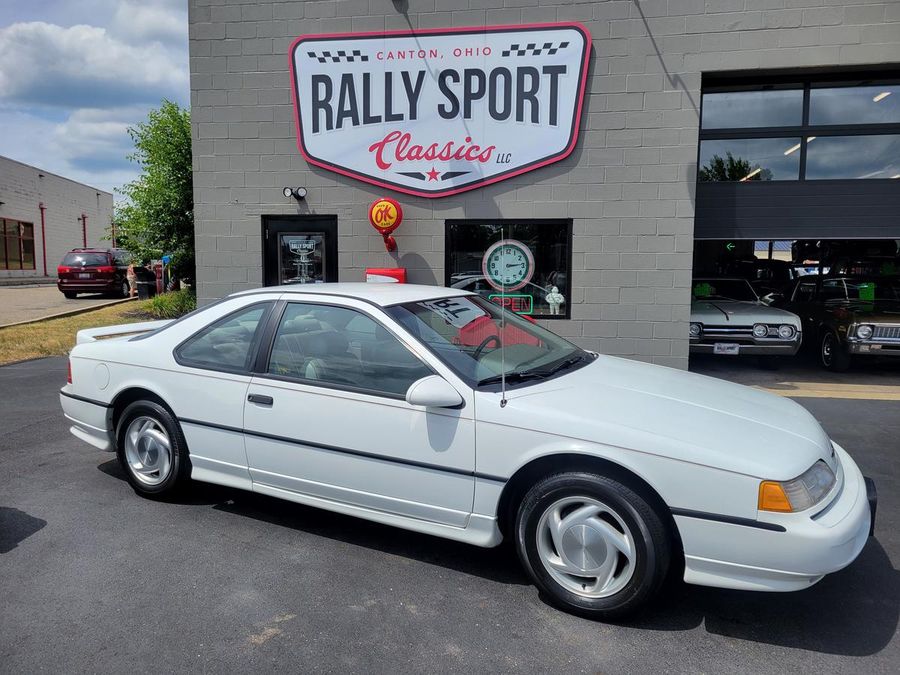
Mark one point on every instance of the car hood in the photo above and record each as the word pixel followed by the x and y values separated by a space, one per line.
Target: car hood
pixel 672 413
pixel 720 312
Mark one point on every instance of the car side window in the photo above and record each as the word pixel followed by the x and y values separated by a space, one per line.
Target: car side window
pixel 337 346
pixel 833 289
pixel 226 344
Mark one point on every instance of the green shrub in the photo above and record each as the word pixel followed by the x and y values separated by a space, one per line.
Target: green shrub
pixel 172 305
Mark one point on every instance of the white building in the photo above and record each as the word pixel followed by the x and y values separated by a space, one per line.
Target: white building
pixel 42 216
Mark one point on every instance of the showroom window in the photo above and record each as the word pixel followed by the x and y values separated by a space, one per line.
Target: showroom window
pixel 814 130
pixel 525 265
pixel 16 245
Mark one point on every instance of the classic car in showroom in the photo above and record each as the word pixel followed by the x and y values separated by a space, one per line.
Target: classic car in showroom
pixel 848 316
pixel 435 410
pixel 727 317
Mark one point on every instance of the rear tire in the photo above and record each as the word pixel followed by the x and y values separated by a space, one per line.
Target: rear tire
pixel 70 295
pixel 152 450
pixel 594 546
pixel 832 355
pixel 125 289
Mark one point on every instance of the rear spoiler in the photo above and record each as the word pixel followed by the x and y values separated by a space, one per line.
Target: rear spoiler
pixel 122 331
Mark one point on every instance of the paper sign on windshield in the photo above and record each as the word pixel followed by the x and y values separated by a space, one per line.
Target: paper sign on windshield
pixel 438 112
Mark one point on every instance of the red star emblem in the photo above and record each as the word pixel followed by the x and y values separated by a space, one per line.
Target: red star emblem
pixel 432 175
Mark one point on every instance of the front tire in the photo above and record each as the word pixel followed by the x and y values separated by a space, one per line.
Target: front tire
pixel 152 450
pixel 594 546
pixel 831 354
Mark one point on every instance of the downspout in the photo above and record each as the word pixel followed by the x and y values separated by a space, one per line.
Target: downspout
pixel 84 229
pixel 43 235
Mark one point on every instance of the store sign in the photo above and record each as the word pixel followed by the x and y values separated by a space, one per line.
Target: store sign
pixel 437 112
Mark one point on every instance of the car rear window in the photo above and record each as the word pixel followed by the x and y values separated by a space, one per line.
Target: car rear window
pixel 85 259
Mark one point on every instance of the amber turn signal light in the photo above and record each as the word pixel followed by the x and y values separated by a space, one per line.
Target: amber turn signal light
pixel 773 498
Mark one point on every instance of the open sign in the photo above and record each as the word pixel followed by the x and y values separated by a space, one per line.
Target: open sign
pixel 520 303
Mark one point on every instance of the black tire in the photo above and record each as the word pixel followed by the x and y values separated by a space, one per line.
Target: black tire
pixel 652 550
pixel 179 467
pixel 832 354
pixel 125 289
pixel 70 295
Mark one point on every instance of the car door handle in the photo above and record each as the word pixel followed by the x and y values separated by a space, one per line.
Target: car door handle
pixel 259 398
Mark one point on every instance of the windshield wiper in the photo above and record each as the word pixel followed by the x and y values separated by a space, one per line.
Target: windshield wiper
pixel 538 374
pixel 512 377
pixel 562 365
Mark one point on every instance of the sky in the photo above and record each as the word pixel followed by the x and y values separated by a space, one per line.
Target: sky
pixel 75 74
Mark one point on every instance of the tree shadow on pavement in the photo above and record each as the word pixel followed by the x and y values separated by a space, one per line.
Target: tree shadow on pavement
pixel 15 526
pixel 853 612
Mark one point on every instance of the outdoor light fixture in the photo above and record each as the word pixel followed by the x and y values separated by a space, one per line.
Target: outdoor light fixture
pixel 298 193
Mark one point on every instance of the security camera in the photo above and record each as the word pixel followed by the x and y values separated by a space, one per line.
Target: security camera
pixel 298 193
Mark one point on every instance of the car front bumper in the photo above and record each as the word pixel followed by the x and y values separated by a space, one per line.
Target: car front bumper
pixel 859 348
pixel 803 549
pixel 783 349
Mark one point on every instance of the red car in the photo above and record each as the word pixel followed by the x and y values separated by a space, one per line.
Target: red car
pixel 94 270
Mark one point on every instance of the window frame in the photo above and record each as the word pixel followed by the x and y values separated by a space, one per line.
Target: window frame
pixel 19 238
pixel 567 223
pixel 252 351
pixel 723 84
pixel 260 368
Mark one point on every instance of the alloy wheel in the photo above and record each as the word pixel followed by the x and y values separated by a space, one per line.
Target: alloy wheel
pixel 586 547
pixel 148 450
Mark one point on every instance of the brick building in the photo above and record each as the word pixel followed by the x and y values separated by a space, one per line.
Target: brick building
pixel 610 220
pixel 44 216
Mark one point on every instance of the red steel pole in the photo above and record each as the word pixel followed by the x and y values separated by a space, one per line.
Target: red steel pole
pixel 43 235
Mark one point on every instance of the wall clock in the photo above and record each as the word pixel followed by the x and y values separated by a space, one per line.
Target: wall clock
pixel 508 265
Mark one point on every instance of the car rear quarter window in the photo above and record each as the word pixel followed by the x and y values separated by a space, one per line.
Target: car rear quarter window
pixel 227 344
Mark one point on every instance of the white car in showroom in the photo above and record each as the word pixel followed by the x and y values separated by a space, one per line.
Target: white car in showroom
pixel 433 410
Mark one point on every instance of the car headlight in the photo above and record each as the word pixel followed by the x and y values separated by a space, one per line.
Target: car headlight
pixel 785 332
pixel 864 332
pixel 696 329
pixel 799 494
pixel 760 330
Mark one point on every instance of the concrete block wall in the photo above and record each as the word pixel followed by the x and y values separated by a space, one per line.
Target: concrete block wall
pixel 629 185
pixel 24 187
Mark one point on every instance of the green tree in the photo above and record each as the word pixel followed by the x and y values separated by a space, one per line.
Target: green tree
pixel 731 169
pixel 157 216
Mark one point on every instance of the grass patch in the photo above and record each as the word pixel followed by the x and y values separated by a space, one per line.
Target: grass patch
pixel 55 337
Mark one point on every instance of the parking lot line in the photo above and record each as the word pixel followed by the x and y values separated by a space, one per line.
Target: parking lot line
pixel 871 392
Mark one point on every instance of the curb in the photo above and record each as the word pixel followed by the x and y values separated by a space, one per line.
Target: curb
pixel 70 312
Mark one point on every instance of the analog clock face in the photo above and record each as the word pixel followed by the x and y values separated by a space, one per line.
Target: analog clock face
pixel 508 265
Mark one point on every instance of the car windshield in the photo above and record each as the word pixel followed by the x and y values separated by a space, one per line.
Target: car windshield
pixel 85 259
pixel 466 333
pixel 723 289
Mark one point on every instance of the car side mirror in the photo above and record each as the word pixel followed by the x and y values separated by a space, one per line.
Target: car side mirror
pixel 433 392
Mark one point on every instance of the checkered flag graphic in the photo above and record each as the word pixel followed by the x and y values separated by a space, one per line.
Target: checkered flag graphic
pixel 532 49
pixel 340 56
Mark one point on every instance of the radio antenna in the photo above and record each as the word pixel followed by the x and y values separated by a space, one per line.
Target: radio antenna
pixel 503 323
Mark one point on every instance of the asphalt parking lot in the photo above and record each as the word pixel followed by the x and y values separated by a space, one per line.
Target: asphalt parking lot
pixel 28 303
pixel 93 578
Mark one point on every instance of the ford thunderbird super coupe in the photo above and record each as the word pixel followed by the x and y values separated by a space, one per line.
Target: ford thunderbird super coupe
pixel 434 410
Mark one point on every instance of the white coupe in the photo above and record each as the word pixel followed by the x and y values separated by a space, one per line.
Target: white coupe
pixel 386 401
